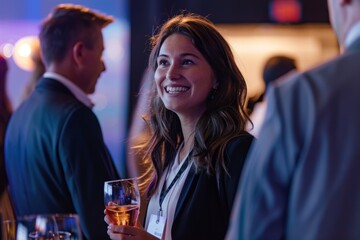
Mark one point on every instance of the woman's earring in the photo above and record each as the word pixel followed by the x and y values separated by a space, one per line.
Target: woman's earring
pixel 212 94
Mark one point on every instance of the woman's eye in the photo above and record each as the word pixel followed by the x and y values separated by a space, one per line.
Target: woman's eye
pixel 187 62
pixel 162 62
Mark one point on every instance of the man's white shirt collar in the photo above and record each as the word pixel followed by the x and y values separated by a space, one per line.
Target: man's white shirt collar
pixel 78 93
pixel 352 35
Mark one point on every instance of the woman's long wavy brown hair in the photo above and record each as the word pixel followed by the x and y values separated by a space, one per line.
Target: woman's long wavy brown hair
pixel 225 116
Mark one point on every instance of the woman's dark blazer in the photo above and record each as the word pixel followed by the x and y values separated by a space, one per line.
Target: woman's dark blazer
pixel 204 206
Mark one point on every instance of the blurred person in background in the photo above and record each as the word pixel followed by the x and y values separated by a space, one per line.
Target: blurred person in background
pixel 55 154
pixel 276 68
pixel 6 209
pixel 302 179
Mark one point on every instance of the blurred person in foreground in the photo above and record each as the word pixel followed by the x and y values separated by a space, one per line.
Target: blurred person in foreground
pixel 276 68
pixel 198 142
pixel 55 154
pixel 302 179
pixel 6 209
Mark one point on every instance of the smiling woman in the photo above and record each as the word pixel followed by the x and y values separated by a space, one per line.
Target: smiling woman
pixel 184 78
pixel 197 142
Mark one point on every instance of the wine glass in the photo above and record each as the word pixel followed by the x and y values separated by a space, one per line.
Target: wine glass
pixel 69 223
pixel 39 227
pixel 122 201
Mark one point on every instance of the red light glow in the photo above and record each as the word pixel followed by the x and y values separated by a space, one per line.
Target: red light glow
pixel 285 11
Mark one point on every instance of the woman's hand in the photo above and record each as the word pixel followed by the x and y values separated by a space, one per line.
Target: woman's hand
pixel 127 232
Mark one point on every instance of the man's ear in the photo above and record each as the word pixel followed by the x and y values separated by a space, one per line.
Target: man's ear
pixel 78 52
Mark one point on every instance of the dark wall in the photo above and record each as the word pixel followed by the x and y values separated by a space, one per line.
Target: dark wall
pixel 146 15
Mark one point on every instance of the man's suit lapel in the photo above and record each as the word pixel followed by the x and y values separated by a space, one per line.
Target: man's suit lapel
pixel 190 179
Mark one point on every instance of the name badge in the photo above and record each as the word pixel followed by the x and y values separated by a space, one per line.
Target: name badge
pixel 156 225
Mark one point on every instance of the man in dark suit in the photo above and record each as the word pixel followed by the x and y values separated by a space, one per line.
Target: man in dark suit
pixel 55 154
pixel 301 180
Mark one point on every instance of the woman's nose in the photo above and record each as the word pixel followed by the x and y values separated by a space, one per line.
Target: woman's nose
pixel 173 72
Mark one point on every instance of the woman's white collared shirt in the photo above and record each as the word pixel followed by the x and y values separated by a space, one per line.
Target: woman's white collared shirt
pixel 172 197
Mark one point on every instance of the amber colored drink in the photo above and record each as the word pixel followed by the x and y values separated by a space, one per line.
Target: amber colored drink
pixel 123 215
